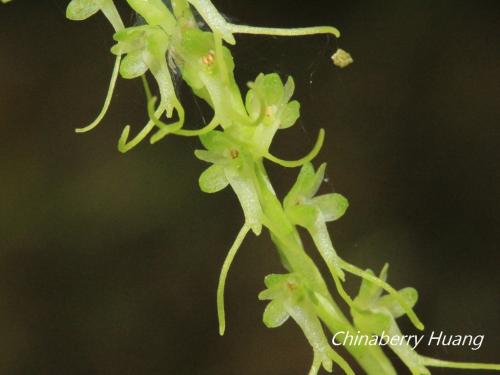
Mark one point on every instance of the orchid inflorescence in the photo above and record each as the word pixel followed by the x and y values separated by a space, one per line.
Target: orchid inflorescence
pixel 188 36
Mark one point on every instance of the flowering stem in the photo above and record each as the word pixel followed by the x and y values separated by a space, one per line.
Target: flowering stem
pixel 286 238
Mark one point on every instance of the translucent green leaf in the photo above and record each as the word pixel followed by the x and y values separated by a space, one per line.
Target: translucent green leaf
pixel 410 295
pixel 275 314
pixel 332 206
pixel 79 10
pixel 213 179
pixel 290 114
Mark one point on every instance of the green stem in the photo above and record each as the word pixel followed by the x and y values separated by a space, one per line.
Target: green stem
pixel 284 234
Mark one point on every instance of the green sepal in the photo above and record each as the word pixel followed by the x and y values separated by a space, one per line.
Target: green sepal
pixel 304 215
pixel 79 10
pixel 332 206
pixel 275 314
pixel 213 179
pixel 409 294
pixel 290 114
pixel 133 65
pixel 216 141
pixel 273 280
pixel 307 184
pixel 369 293
pixel 372 322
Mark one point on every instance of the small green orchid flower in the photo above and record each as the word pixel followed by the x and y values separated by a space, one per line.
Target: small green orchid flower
pixel 268 101
pixel 207 67
pixel 145 48
pixel 290 298
pixel 270 109
pixel 231 166
pixel 313 212
pixel 268 105
pixel 374 313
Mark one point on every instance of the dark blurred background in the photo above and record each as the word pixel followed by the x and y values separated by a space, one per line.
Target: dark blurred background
pixel 109 262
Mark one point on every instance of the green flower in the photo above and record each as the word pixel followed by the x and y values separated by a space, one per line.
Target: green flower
pixel 374 313
pixel 232 165
pixel 207 67
pixel 312 212
pixel 268 105
pixel 145 48
pixel 268 101
pixel 290 298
